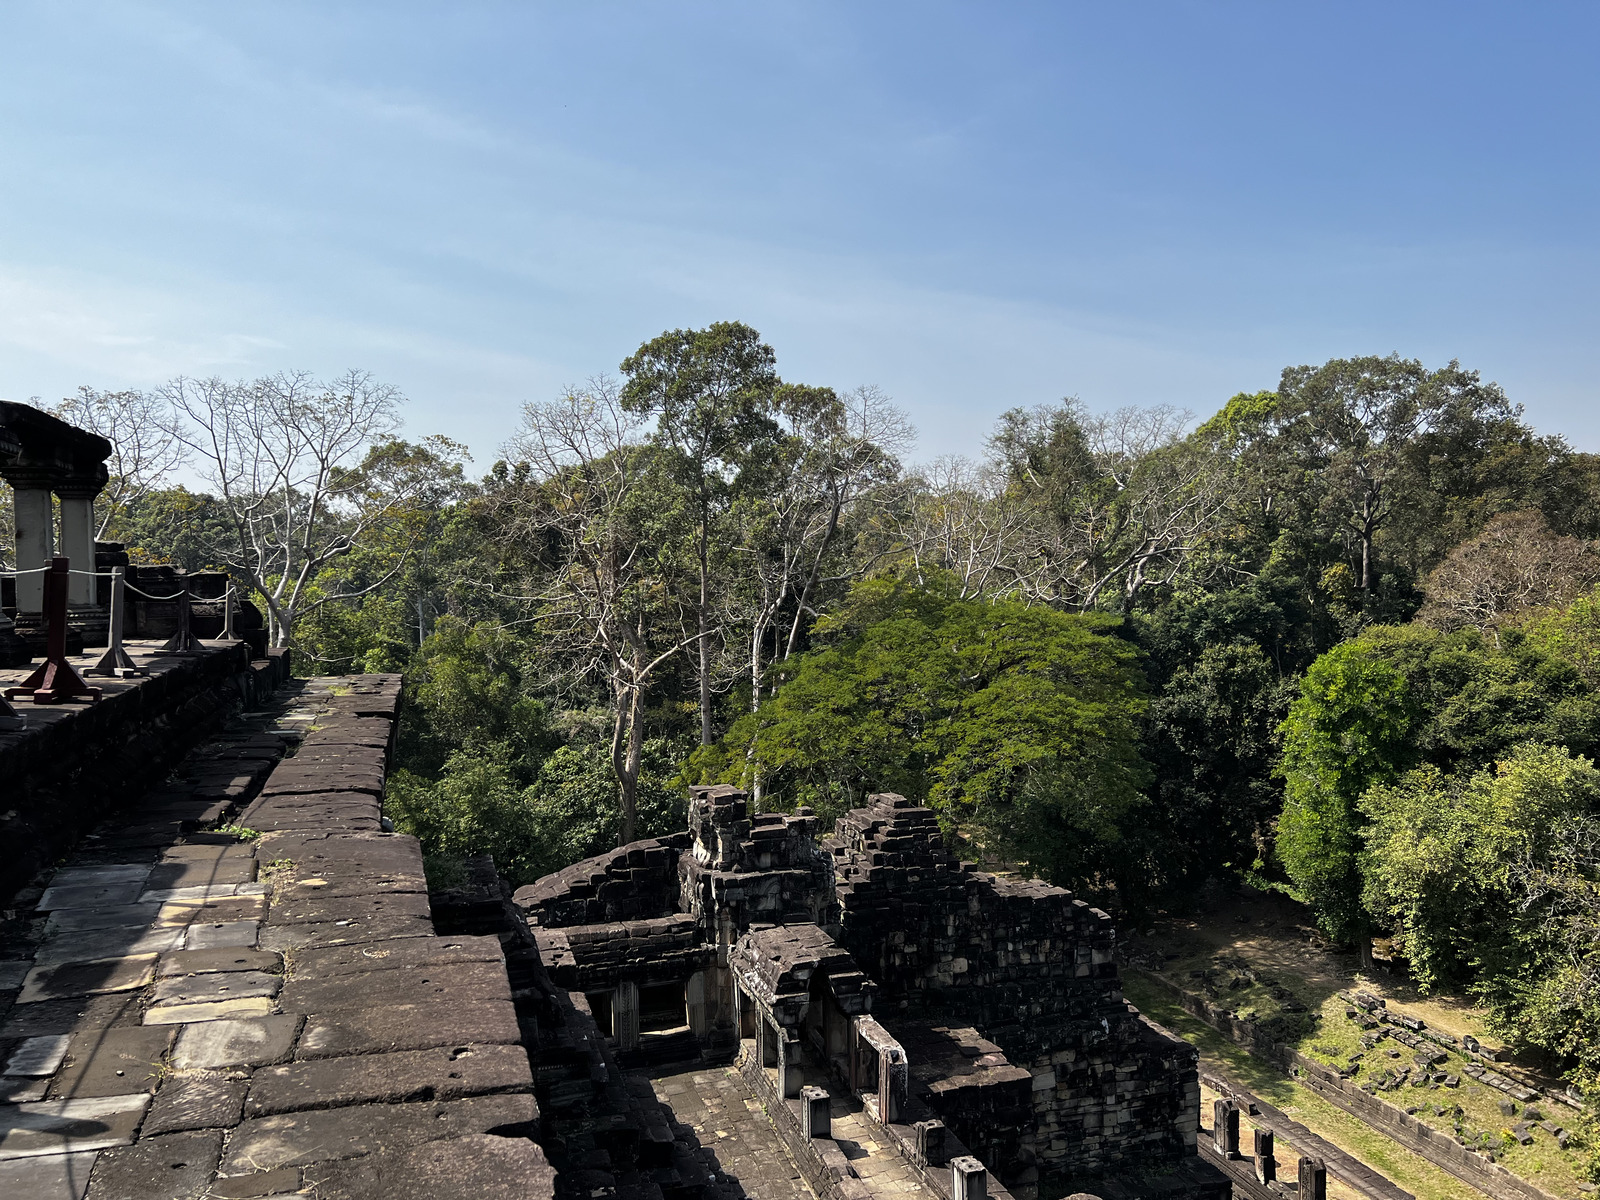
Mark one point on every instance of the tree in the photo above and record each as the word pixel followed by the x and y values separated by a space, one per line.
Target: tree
pixel 1400 697
pixel 958 518
pixel 711 393
pixel 591 511
pixel 1122 499
pixel 1450 862
pixel 1223 666
pixel 145 449
pixel 305 473
pixel 832 453
pixel 1515 566
pixel 1356 436
pixel 1348 731
pixel 1016 723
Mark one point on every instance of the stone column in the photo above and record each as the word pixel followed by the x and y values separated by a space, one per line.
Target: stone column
pixel 1225 1127
pixel 625 1015
pixel 769 1040
pixel 1266 1164
pixel 36 544
pixel 77 542
pixel 968 1179
pixel 791 1072
pixel 816 1118
pixel 694 995
pixel 1313 1179
pixel 894 1084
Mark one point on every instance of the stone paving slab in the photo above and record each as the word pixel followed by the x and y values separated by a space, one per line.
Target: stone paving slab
pixel 177 1014
pixel 224 935
pixel 297 1139
pixel 22 1090
pixel 250 1042
pixel 477 1167
pixel 195 1100
pixel 174 1166
pixel 466 982
pixel 297 777
pixel 357 815
pixel 100 875
pixel 68 1016
pixel 326 962
pixel 448 1022
pixel 304 909
pixel 182 873
pixel 280 1183
pixel 231 985
pixel 213 911
pixel 69 1126
pixel 117 942
pixel 90 895
pixel 388 1079
pixel 38 1056
pixel 315 935
pixel 57 981
pixel 12 973
pixel 351 881
pixel 198 852
pixel 111 1062
pixel 72 920
pixel 204 891
pixel 52 1177
pixel 222 958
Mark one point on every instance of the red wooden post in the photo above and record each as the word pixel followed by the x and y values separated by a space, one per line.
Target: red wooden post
pixel 55 679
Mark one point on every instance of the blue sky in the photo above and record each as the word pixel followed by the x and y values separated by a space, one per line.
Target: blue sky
pixel 972 206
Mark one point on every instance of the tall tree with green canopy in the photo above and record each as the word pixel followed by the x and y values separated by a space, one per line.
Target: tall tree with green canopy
pixel 711 393
pixel 1016 723
pixel 1348 730
pixel 1367 441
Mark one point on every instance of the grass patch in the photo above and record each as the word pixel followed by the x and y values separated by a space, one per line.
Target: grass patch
pixel 1405 1168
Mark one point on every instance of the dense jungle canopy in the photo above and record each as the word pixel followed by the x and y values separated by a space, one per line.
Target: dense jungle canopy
pixel 1340 639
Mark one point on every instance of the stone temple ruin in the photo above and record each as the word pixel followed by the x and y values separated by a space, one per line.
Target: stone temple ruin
pixel 973 1024
pixel 223 973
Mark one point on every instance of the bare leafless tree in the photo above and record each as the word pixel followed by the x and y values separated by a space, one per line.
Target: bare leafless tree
pixel 299 470
pixel 1118 501
pixel 600 591
pixel 1514 566
pixel 959 517
pixel 145 449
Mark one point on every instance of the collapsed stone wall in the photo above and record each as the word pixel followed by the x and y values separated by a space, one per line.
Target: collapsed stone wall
pixel 630 883
pixel 1030 967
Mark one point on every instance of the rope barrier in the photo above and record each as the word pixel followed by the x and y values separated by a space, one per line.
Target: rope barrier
pixel 29 571
pixel 148 596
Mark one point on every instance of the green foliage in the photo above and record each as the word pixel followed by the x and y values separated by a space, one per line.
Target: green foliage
pixel 1223 667
pixel 469 687
pixel 1398 697
pixel 1347 730
pixel 1446 855
pixel 1017 723
pixel 568 812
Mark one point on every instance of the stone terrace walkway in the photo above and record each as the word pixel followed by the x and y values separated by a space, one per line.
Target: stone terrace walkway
pixel 730 1122
pixel 208 1017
